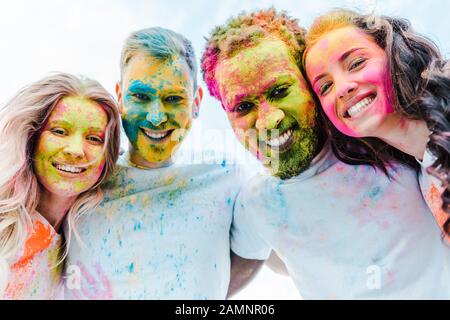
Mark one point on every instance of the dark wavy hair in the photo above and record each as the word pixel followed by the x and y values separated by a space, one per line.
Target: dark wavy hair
pixel 421 86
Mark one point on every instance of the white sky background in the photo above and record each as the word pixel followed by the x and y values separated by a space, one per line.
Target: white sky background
pixel 85 37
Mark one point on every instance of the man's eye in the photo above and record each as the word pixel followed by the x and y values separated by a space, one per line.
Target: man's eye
pixel 141 96
pixel 94 138
pixel 173 99
pixel 324 88
pixel 355 64
pixel 244 107
pixel 58 131
pixel 279 92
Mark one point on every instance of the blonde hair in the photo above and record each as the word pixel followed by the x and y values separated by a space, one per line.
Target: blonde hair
pixel 331 21
pixel 21 120
pixel 159 43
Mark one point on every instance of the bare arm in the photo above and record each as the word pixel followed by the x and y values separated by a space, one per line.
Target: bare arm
pixel 242 272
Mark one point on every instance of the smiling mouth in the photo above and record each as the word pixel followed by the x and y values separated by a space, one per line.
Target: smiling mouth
pixel 68 168
pixel 157 136
pixel 282 142
pixel 360 106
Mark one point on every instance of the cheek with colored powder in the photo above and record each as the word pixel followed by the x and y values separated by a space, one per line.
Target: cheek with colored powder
pixel 133 118
pixel 385 89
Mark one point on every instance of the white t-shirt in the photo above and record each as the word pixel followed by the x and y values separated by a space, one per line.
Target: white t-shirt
pixel 432 190
pixel 159 234
pixel 36 272
pixel 345 232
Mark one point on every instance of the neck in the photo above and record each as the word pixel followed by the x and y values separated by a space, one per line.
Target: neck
pixel 137 160
pixel 54 207
pixel 408 136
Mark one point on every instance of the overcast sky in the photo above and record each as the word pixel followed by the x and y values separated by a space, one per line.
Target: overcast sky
pixel 85 37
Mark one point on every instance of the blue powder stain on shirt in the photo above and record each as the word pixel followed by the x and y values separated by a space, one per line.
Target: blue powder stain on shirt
pixel 229 201
pixel 161 218
pixel 131 267
pixel 137 226
pixel 375 193
pixel 224 163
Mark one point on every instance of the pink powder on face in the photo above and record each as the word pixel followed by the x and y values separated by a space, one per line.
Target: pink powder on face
pixel 364 71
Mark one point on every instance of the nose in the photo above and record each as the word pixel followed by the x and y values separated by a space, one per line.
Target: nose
pixel 156 116
pixel 74 147
pixel 269 117
pixel 345 87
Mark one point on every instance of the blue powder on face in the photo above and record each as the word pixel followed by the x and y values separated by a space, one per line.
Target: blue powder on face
pixel 137 86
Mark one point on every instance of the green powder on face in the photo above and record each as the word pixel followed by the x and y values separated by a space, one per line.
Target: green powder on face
pixel 298 158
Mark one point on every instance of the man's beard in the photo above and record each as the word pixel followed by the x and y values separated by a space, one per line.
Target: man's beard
pixel 298 157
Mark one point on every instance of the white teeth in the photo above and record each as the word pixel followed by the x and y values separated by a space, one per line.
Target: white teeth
pixel 360 106
pixel 154 135
pixel 276 142
pixel 67 168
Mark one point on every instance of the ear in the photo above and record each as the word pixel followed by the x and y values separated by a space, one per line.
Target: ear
pixel 197 101
pixel 119 96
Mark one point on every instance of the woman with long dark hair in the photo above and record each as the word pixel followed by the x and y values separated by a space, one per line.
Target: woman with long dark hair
pixel 385 92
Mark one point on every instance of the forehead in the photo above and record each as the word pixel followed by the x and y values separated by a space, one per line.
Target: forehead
pixel 172 70
pixel 80 111
pixel 254 69
pixel 333 43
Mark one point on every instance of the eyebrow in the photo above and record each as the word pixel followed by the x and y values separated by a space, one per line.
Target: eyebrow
pixel 344 56
pixel 142 87
pixel 269 85
pixel 60 122
pixel 139 86
pixel 71 125
pixel 176 90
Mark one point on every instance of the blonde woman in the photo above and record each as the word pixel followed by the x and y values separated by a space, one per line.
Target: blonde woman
pixel 59 139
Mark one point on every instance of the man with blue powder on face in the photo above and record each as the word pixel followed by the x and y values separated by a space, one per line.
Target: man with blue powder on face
pixel 162 231
pixel 343 231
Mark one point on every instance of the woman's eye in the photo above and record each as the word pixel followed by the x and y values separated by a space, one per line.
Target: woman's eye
pixel 279 92
pixel 94 138
pixel 244 107
pixel 324 88
pixel 58 131
pixel 173 99
pixel 355 64
pixel 141 96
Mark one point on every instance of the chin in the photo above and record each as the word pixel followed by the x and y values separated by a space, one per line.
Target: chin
pixel 65 193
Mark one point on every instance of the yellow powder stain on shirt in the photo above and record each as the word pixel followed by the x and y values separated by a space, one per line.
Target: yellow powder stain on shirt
pixel 169 179
pixel 145 200
pixel 182 184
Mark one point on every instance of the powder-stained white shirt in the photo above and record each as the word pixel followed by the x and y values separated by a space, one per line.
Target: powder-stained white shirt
pixel 432 191
pixel 36 272
pixel 345 232
pixel 159 234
